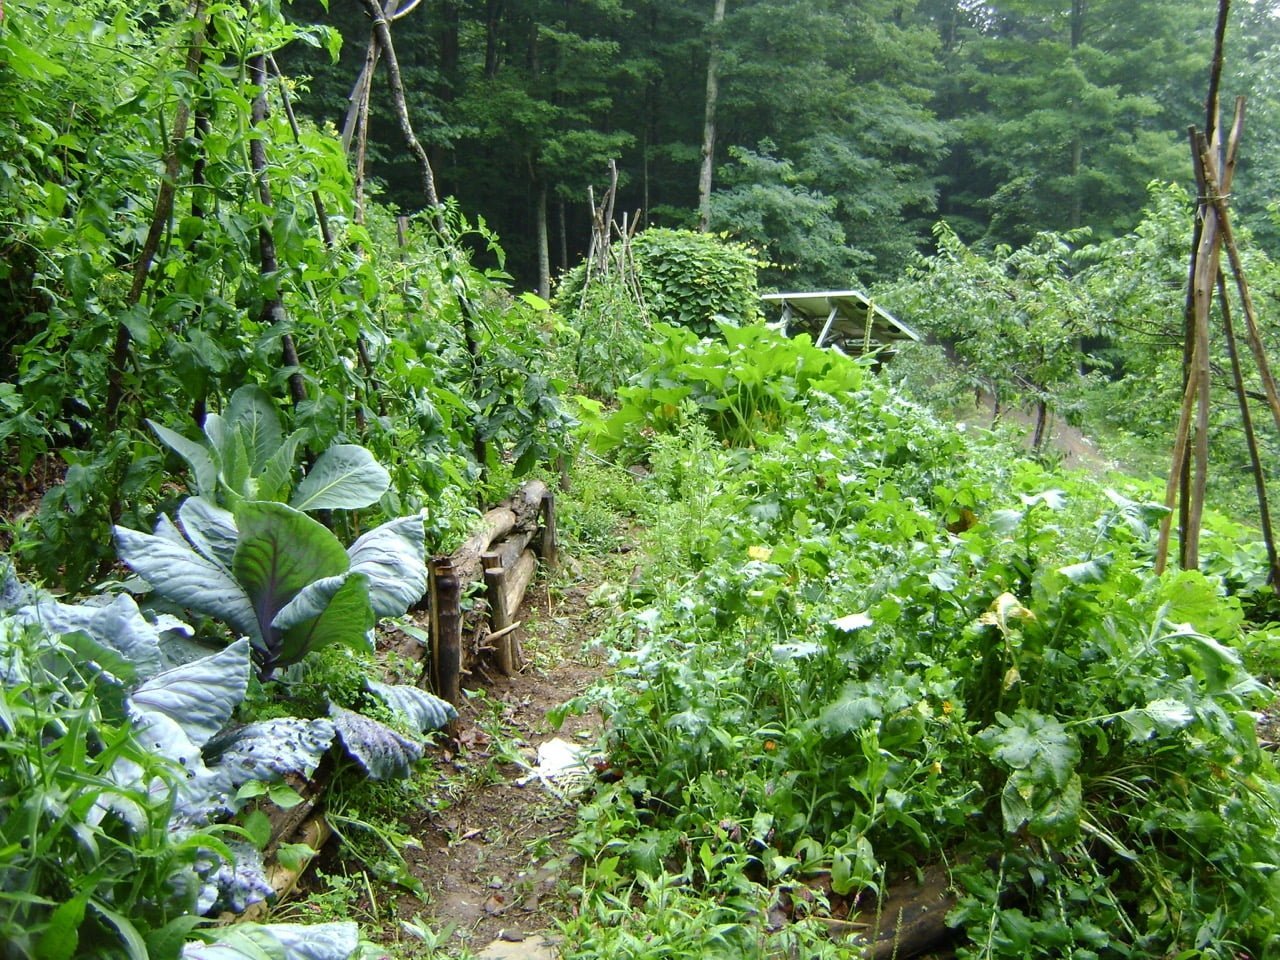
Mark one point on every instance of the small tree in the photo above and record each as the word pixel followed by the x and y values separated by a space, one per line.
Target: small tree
pixel 1014 318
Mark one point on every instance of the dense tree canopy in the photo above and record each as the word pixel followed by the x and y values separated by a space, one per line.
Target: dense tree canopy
pixel 845 130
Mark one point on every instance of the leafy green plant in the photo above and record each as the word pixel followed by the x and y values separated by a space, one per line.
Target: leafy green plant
pixel 247 456
pixel 277 576
pixel 90 866
pixel 747 384
pixel 866 642
pixel 695 279
pixel 122 762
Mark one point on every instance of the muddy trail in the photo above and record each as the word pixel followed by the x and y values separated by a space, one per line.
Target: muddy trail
pixel 486 839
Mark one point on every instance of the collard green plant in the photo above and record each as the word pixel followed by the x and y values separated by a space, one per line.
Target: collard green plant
pixel 119 771
pixel 273 574
pixel 247 456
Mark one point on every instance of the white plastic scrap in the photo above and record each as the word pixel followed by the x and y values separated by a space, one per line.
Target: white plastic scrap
pixel 563 768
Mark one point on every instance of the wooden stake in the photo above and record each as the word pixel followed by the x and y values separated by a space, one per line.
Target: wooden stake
pixel 550 546
pixel 495 582
pixel 447 641
pixel 1251 440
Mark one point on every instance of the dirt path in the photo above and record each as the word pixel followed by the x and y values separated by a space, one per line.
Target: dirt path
pixel 494 860
pixel 1077 450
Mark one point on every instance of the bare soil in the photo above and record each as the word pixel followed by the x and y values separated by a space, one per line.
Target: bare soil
pixel 493 856
pixel 1076 450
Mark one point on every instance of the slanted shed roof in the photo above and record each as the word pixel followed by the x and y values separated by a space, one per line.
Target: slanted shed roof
pixel 840 317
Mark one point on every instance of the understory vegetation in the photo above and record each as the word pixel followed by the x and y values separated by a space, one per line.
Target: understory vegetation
pixel 242 401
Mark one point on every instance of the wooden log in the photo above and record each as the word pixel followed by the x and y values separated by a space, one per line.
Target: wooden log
pixel 508 551
pixel 495 581
pixel 911 920
pixel 519 512
pixel 549 547
pixel 494 525
pixel 518 579
pixel 446 616
pixel 314 833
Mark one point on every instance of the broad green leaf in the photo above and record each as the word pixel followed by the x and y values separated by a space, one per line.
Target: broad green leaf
pixel 180 574
pixel 251 411
pixel 211 530
pixel 280 551
pixel 382 752
pixel 310 601
pixel 236 469
pixel 347 619
pixel 1034 743
pixel 345 477
pixel 1157 717
pixel 392 556
pixel 199 696
pixel 117 626
pixel 276 476
pixel 1086 571
pixel 425 711
pixel 198 458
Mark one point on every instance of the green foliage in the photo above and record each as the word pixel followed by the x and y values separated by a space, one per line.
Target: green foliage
pixel 692 279
pixel 275 575
pixel 90 866
pixel 379 326
pixel 246 456
pixel 749 382
pixel 864 643
pixel 767 204
pixel 1015 318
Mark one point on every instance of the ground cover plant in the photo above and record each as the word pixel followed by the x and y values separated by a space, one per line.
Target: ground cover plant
pixel 125 786
pixel 867 643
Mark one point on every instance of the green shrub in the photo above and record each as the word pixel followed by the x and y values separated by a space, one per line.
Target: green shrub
pixel 692 278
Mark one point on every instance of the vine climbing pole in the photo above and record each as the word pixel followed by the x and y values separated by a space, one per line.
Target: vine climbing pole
pixel 1188 474
pixel 382 47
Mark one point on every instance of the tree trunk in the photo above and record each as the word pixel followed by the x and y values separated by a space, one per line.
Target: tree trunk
pixel 1042 420
pixel 544 248
pixel 493 18
pixel 382 34
pixel 709 119
pixel 564 234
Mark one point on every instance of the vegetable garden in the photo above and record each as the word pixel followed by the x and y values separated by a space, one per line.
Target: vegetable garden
pixel 877 686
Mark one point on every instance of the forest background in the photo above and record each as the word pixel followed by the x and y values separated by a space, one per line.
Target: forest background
pixel 843 131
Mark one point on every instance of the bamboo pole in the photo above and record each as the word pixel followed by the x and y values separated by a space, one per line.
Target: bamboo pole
pixel 159 223
pixel 1251 440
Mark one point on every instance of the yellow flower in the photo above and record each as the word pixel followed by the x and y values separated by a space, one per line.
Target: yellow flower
pixel 947 707
pixel 759 552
